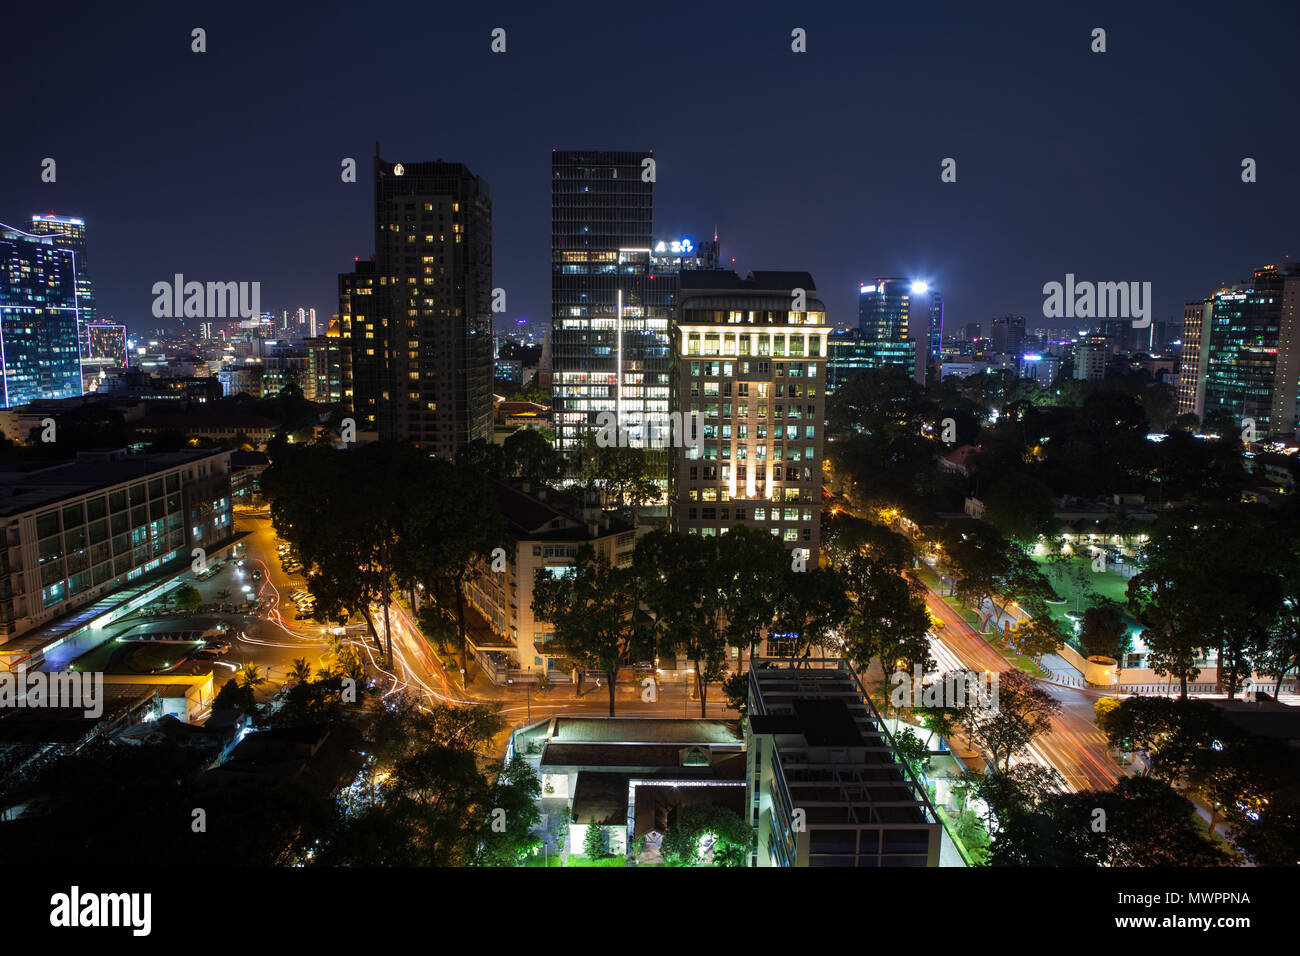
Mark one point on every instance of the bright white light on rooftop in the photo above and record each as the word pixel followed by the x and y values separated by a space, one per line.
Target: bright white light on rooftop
pixel 920 287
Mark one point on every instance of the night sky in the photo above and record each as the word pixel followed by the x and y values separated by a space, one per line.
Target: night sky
pixel 1117 166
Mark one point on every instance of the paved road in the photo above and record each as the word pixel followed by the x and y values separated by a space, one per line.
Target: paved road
pixel 1075 746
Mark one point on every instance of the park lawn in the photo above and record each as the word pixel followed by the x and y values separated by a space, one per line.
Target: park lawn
pixel 1107 584
pixel 603 861
pixel 543 861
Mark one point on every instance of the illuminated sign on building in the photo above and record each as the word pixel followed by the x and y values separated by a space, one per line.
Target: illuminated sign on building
pixel 678 247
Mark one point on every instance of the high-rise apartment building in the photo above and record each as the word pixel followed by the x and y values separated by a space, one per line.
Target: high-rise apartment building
pixel 107 341
pixel 422 349
pixel 1191 368
pixel 40 346
pixel 610 309
pixel 753 366
pixel 359 352
pixel 70 233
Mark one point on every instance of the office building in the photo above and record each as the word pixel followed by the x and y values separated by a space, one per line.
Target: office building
pixel 849 352
pixel 890 333
pixel 935 315
pixel 1092 354
pixel 754 369
pixel 418 319
pixel 77 531
pixel 40 349
pixel 816 747
pixel 70 233
pixel 1252 351
pixel 285 364
pixel 610 310
pixel 1043 369
pixel 1008 334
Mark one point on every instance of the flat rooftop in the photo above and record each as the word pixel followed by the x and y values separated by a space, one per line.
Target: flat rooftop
pixel 26 485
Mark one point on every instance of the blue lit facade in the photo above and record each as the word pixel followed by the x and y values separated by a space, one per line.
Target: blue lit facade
pixel 39 319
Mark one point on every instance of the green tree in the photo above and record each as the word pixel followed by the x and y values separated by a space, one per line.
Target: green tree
pixel 1104 633
pixel 187 598
pixel 1022 711
pixel 1021 507
pixel 595 844
pixel 592 609
pixel 528 455
pixel 720 830
pixel 507 836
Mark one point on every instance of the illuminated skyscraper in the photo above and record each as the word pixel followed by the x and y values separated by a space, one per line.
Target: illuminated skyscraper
pixel 421 352
pixel 753 369
pixel 884 326
pixel 1251 345
pixel 68 233
pixel 39 335
pixel 609 309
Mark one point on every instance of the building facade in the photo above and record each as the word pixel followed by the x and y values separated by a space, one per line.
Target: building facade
pixel 1252 346
pixel 754 369
pixel 108 342
pixel 77 531
pixel 70 233
pixel 610 309
pixel 40 348
pixel 419 318
pixel 1193 356
pixel 548 528
pixel 815 746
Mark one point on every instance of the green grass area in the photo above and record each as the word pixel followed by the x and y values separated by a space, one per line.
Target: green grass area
pixel 603 861
pixel 1105 584
pixel 544 861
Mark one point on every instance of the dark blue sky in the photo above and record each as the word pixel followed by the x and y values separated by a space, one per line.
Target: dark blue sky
pixel 1115 166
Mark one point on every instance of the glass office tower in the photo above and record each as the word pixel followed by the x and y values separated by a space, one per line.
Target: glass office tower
pixel 39 327
pixel 610 309
pixel 1252 346
pixel 69 233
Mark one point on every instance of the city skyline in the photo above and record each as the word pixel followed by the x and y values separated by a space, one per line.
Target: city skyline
pixel 856 212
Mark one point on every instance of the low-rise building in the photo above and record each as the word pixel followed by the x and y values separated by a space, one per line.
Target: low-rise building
pixel 547 528
pixel 826 786
pixel 77 531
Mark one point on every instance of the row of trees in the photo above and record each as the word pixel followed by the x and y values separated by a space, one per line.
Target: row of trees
pixel 382 516
pixel 1223 578
pixel 701 597
pixel 1250 782
pixel 1034 443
